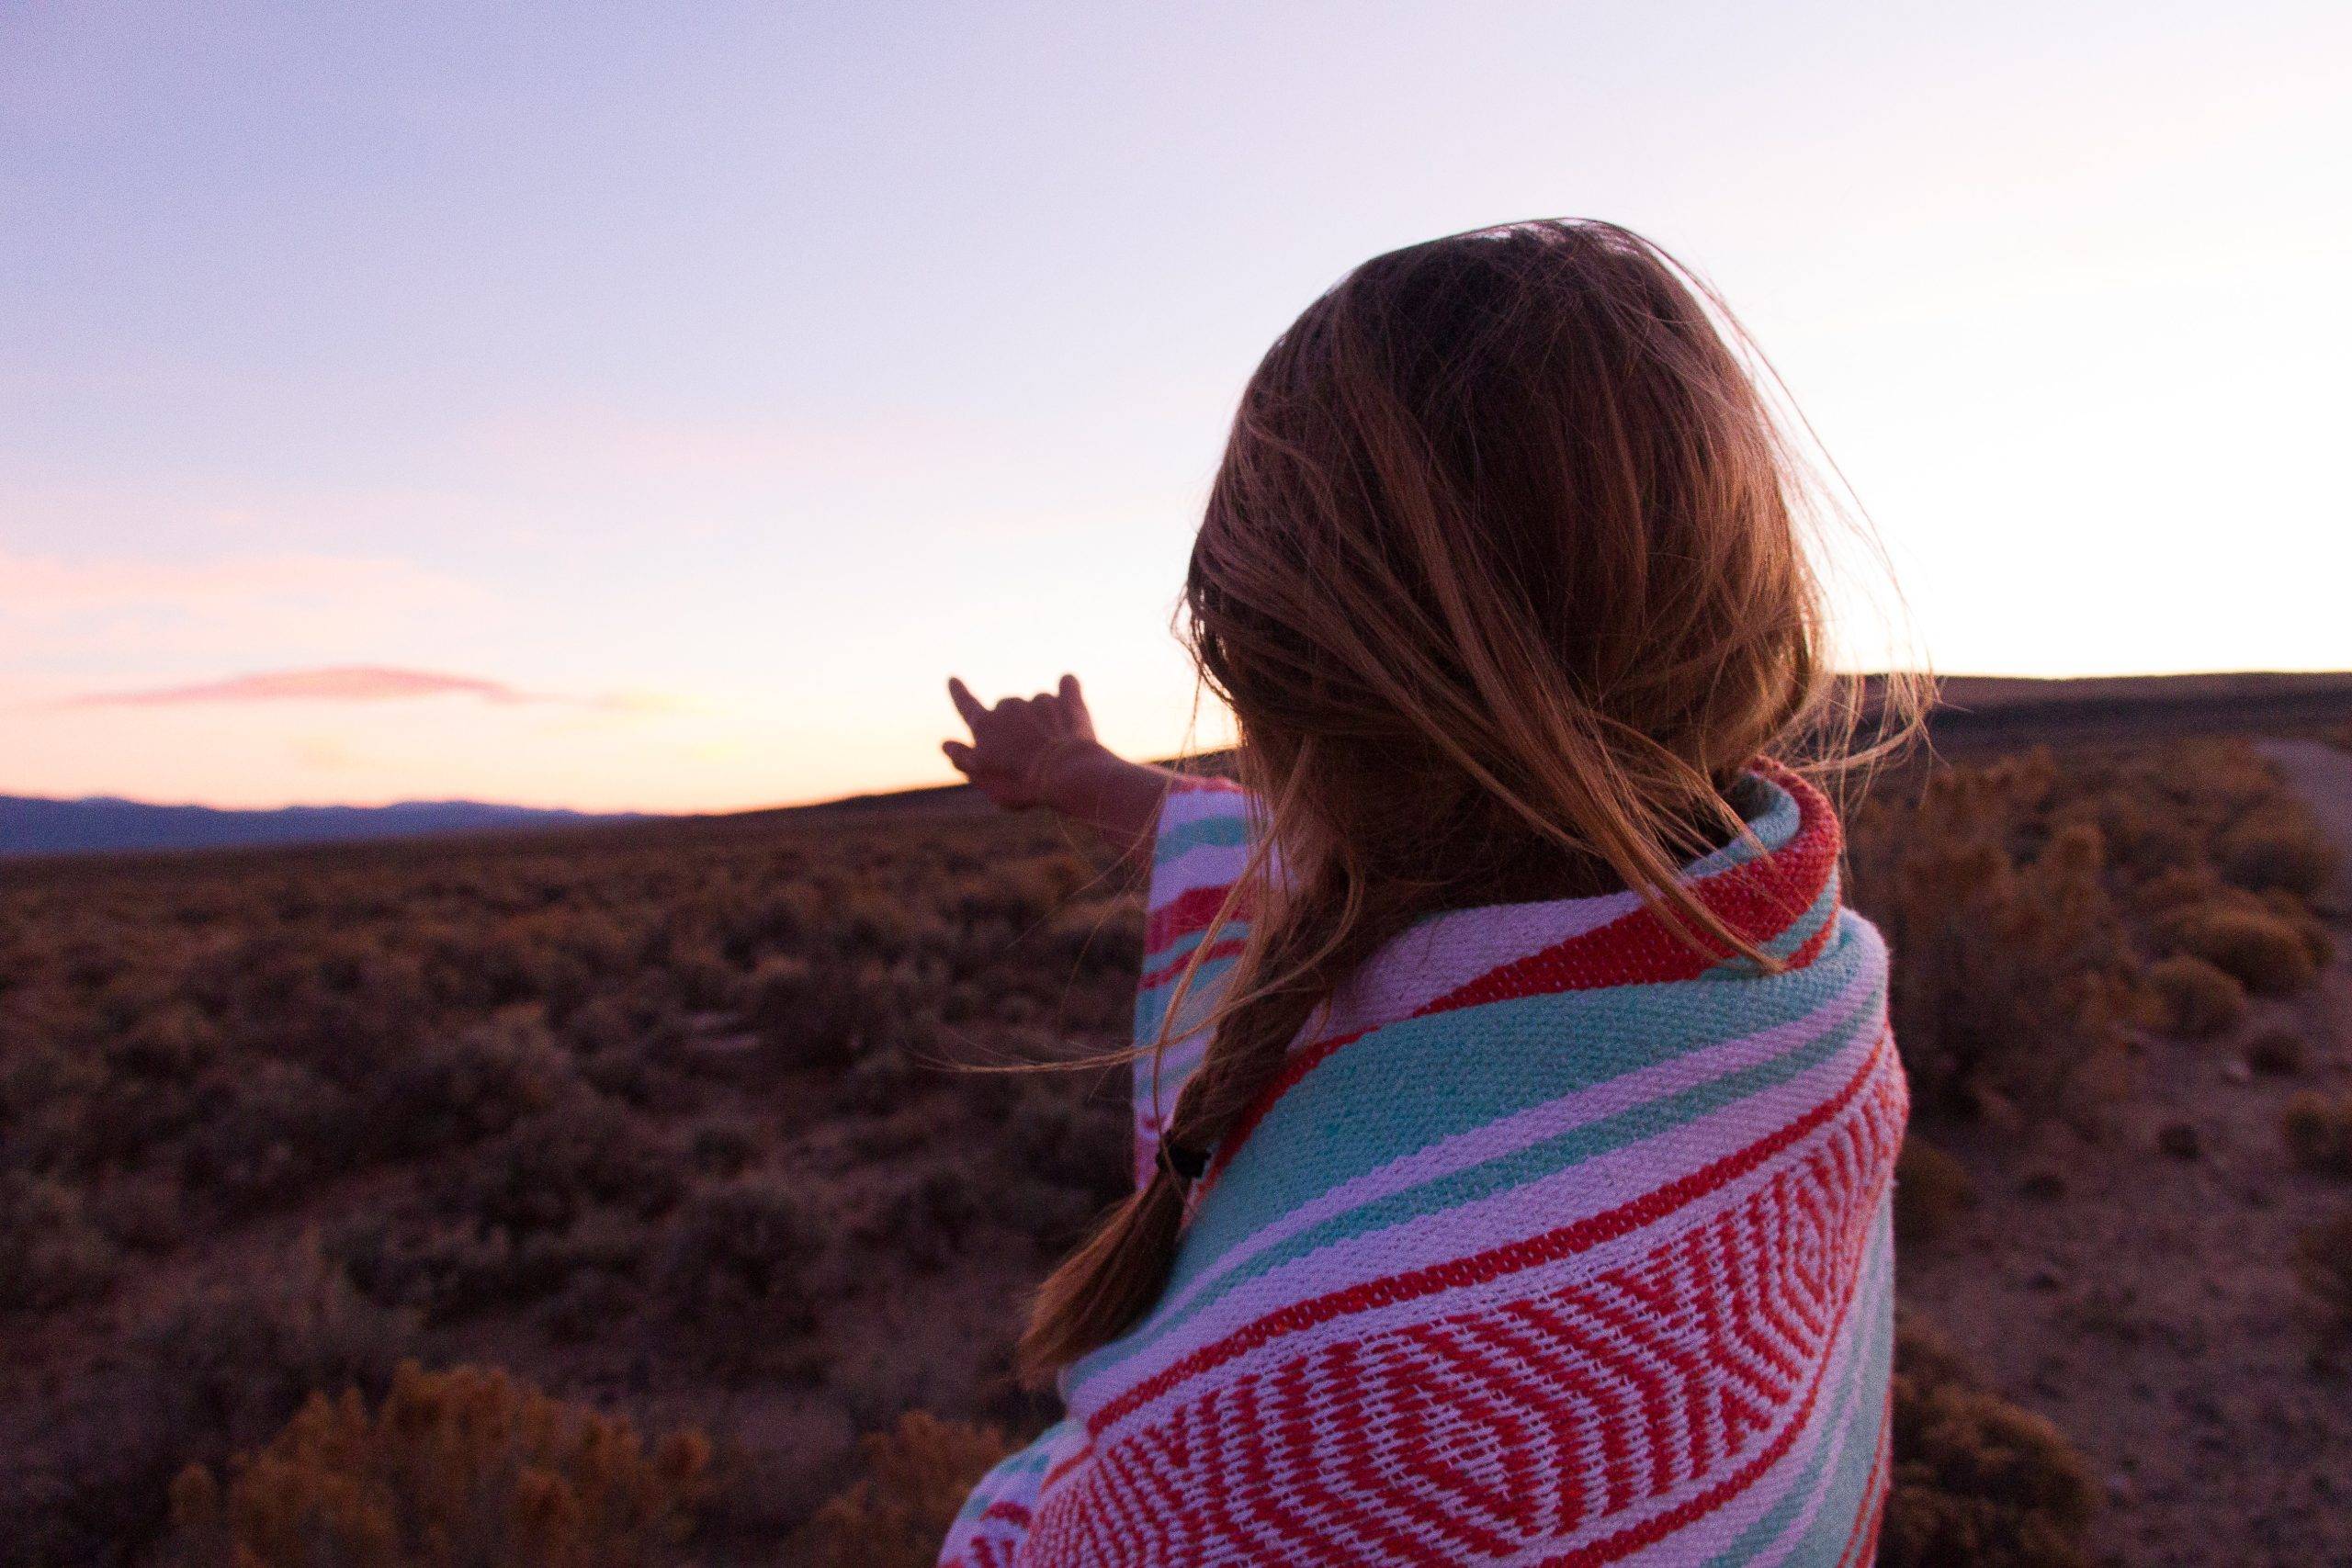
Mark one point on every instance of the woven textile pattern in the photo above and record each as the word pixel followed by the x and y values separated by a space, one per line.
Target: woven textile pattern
pixel 1557 1243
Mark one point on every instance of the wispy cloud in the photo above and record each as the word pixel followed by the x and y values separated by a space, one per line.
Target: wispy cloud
pixel 341 683
pixel 126 608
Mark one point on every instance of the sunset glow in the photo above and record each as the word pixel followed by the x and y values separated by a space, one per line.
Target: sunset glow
pixel 644 407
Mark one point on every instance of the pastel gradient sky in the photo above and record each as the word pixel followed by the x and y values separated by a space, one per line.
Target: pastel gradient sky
pixel 647 405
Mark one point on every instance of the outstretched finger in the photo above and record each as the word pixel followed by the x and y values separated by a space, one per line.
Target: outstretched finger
pixel 1070 691
pixel 959 754
pixel 970 706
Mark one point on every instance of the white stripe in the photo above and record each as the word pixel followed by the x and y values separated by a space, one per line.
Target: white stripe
pixel 1203 865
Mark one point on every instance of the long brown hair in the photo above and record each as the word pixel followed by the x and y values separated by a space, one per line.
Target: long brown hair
pixel 1506 579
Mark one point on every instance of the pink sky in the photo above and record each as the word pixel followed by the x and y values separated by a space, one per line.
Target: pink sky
pixel 623 407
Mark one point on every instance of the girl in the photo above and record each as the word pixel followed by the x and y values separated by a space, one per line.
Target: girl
pixel 1516 1107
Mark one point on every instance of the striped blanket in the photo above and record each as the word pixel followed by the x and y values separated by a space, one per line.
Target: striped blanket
pixel 1556 1244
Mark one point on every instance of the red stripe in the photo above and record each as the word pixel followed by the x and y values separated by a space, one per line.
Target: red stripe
pixel 1011 1513
pixel 1175 966
pixel 1690 1511
pixel 1862 1544
pixel 1204 784
pixel 1650 1209
pixel 1057 1472
pixel 1294 1427
pixel 1189 911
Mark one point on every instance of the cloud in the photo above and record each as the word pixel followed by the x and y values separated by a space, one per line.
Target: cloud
pixel 341 683
pixel 126 607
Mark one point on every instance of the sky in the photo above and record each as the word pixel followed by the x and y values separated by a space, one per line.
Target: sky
pixel 648 406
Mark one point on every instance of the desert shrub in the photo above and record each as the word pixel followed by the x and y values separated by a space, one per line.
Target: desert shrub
pixel 926 1219
pixel 275 1127
pixel 1093 936
pixel 722 1148
pixel 1931 1188
pixel 886 1076
pixel 918 1475
pixel 743 1265
pixel 2324 1263
pixel 459 1469
pixel 2317 938
pixel 447 1269
pixel 173 1043
pixel 53 1252
pixel 2010 984
pixel 2191 996
pixel 217 1373
pixel 1051 1215
pixel 2278 1052
pixel 588 1305
pixel 139 1210
pixel 185 1041
pixel 48 1087
pixel 2265 951
pixel 2174 887
pixel 464 1087
pixel 241 1357
pixel 2319 1132
pixel 826 1013
pixel 1066 1131
pixel 2143 839
pixel 2282 848
pixel 1976 1479
pixel 555 1167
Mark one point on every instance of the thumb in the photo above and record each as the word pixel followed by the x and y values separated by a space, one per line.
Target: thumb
pixel 1074 708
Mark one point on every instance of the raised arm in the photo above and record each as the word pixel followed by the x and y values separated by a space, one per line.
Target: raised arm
pixel 1041 750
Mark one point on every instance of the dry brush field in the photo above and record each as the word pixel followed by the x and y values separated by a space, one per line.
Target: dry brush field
pixel 617 1196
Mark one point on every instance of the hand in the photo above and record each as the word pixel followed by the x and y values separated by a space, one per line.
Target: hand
pixel 1017 745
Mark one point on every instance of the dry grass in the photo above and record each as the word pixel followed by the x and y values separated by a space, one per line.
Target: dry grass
pixel 2318 1128
pixel 2192 998
pixel 2012 980
pixel 2263 950
pixel 1977 1480
pixel 2278 1053
pixel 2324 1260
pixel 662 1116
pixel 2283 849
pixel 460 1469
pixel 657 1110
pixel 918 1475
pixel 2038 911
pixel 1932 1188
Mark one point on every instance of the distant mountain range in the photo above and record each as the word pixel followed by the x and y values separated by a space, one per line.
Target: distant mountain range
pixel 31 826
pixel 1976 712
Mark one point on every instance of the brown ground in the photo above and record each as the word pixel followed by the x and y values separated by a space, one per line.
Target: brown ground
pixel 2146 1302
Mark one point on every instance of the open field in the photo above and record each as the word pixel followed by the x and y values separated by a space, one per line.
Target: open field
pixel 664 1120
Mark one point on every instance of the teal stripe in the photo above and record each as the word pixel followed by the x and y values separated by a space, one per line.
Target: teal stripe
pixel 1773 824
pixel 1209 1240
pixel 998 1483
pixel 1421 1080
pixel 1824 1542
pixel 1229 832
pixel 1151 1006
pixel 1186 941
